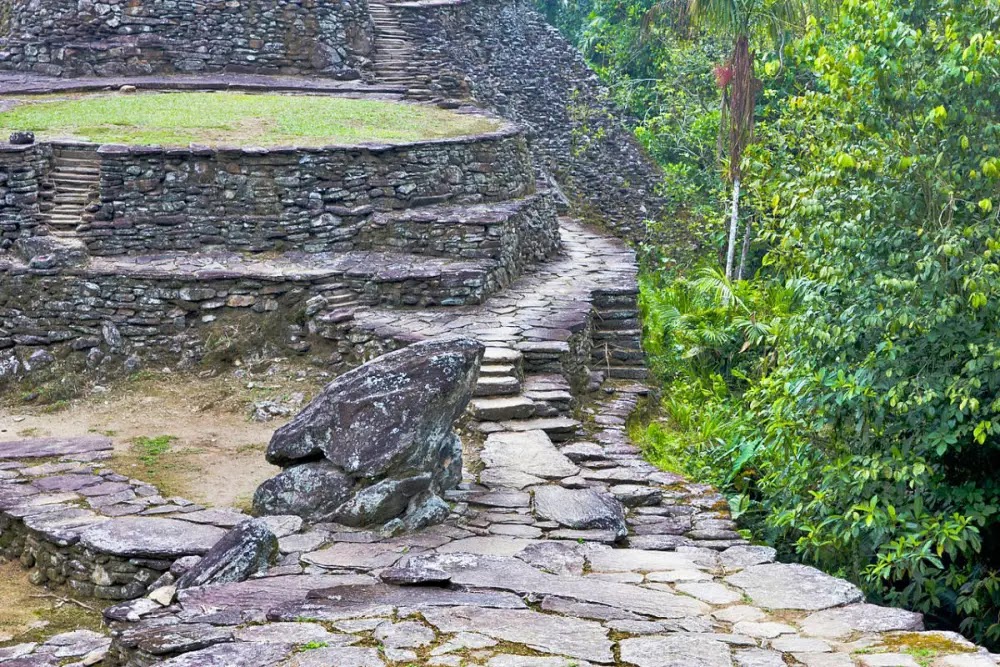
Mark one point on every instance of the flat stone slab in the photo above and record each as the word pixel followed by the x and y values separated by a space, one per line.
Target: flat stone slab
pixel 488 546
pixel 843 621
pixel 150 537
pixel 37 448
pixel 678 650
pixel 514 575
pixel 241 654
pixel 580 509
pixel 529 452
pixel 346 656
pixel 412 597
pixel 639 560
pixel 265 592
pixel 359 556
pixel 566 636
pixel 792 586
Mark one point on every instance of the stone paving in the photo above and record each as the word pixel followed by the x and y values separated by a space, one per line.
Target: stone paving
pixel 568 553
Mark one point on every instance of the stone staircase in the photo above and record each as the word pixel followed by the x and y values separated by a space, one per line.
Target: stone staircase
pixel 617 336
pixel 75 180
pixel 506 399
pixel 395 59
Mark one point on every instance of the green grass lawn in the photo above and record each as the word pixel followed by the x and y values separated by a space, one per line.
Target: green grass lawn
pixel 177 119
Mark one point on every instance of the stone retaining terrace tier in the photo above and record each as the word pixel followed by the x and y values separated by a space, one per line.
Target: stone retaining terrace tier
pixel 134 199
pixel 70 38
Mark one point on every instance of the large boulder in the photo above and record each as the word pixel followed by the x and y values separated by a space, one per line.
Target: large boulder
pixel 378 443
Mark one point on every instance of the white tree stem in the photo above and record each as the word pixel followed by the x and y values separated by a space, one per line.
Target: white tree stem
pixel 733 225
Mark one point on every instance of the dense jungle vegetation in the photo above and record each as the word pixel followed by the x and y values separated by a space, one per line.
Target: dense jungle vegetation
pixel 841 381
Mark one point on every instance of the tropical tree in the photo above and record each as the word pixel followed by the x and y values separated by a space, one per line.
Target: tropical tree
pixel 740 21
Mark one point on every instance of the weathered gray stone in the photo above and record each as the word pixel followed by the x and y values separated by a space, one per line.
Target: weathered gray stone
pixel 784 586
pixel 291 633
pixel 244 551
pixel 554 557
pixel 759 658
pixel 350 555
pixel 580 509
pixel 149 537
pixel 549 634
pixel 348 656
pixel 510 574
pixel 527 452
pixel 36 448
pixel 405 634
pixel 842 621
pixel 414 575
pixel 393 413
pixel 385 434
pixel 314 490
pixel 679 650
pixel 238 654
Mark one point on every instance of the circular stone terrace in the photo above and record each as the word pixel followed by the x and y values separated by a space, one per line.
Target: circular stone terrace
pixel 209 206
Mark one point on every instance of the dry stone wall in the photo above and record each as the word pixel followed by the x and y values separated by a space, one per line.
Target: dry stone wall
pixel 23 172
pixel 114 37
pixel 511 61
pixel 315 199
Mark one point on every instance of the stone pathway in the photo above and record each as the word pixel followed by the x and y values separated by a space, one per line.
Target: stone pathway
pixel 530 571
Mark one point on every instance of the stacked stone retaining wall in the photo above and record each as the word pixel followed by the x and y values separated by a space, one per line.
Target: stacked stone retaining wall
pixel 514 63
pixel 23 172
pixel 114 37
pixel 154 199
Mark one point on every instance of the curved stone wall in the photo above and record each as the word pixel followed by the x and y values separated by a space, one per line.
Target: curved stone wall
pixel 155 199
pixel 114 37
pixel 514 63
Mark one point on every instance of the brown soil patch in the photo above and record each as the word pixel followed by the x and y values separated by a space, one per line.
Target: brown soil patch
pixel 215 453
pixel 30 613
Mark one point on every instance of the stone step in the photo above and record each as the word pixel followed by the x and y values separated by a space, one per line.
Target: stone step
pixel 496 386
pixel 60 171
pixel 559 429
pixel 627 372
pixel 502 355
pixel 69 199
pixel 497 370
pixel 63 187
pixel 501 409
pixel 76 159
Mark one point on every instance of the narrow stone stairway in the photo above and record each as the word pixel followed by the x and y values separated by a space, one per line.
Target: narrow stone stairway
pixel 617 337
pixel 506 399
pixel 75 179
pixel 395 58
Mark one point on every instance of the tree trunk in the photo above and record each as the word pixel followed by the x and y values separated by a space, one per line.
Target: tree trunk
pixel 746 249
pixel 734 222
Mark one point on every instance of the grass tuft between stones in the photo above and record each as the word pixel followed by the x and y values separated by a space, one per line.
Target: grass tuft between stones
pixel 212 118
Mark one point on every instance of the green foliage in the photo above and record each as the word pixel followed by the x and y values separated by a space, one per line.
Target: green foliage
pixel 847 397
pixel 863 434
pixel 149 449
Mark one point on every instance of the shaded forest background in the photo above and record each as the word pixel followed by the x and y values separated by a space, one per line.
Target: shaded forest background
pixel 841 381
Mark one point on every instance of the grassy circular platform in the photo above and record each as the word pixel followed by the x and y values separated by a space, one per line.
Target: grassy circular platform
pixel 178 119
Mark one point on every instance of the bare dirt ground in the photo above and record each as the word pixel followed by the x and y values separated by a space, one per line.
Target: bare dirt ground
pixel 210 451
pixel 32 613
